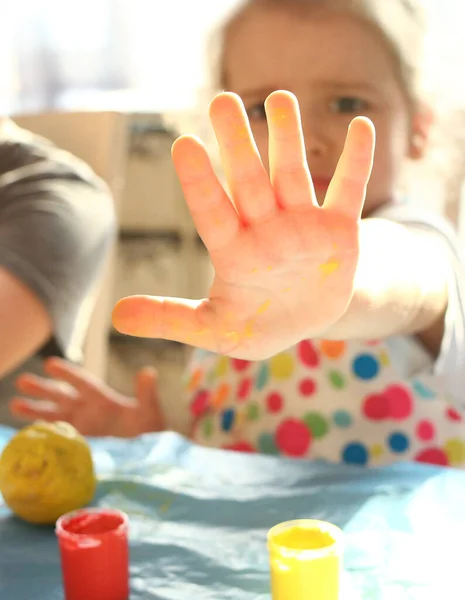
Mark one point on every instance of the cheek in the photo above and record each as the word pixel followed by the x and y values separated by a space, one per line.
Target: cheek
pixel 390 155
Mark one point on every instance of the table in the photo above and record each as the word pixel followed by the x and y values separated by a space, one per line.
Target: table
pixel 199 520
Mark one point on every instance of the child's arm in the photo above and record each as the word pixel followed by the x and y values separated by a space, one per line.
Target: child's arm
pixel 400 285
pixel 88 403
pixel 285 268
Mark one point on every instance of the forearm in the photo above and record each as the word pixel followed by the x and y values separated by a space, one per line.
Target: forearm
pixel 24 322
pixel 400 286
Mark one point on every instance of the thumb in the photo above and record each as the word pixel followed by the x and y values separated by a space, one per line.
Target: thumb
pixel 147 397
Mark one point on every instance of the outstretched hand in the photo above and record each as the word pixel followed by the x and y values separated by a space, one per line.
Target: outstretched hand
pixel 74 395
pixel 284 266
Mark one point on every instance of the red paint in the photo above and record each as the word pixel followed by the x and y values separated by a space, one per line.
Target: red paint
pixel 93 523
pixel 94 554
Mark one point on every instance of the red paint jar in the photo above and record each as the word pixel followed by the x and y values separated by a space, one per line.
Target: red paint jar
pixel 94 553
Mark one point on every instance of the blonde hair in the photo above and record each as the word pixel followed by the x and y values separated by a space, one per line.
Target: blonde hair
pixel 402 23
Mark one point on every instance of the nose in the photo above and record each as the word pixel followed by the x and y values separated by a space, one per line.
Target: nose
pixel 316 137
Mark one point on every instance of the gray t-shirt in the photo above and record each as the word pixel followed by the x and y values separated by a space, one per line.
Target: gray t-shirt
pixel 57 223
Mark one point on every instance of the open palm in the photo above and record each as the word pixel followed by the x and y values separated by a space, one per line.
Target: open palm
pixel 284 266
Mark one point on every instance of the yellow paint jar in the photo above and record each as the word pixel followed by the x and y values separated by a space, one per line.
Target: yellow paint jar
pixel 305 560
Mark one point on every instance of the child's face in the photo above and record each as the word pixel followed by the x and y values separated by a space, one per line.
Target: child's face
pixel 338 67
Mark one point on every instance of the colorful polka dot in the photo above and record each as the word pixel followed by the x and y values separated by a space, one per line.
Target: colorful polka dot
pixel 384 358
pixel 317 424
pixel 244 388
pixel 425 431
pixel 355 454
pixel 274 402
pixel 207 427
pixel 307 387
pixel 398 442
pixel 342 418
pixel 220 395
pixel 337 379
pixel 222 366
pixel 332 349
pixel 455 450
pixel 422 390
pixel 376 407
pixel 400 402
pixel 453 414
pixel 195 380
pixel 293 438
pixel 433 456
pixel 282 365
pixel 239 447
pixel 239 365
pixel 262 377
pixel 308 355
pixel 227 419
pixel 266 444
pixel 365 366
pixel 376 451
pixel 253 411
pixel 200 403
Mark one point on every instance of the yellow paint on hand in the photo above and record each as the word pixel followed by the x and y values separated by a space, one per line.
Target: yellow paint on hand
pixel 329 267
pixel 264 307
pixel 269 268
pixel 232 336
pixel 248 330
pixel 288 289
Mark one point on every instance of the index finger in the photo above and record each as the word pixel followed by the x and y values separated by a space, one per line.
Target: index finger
pixel 79 378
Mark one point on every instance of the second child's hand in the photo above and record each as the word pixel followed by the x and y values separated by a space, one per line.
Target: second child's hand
pixel 284 266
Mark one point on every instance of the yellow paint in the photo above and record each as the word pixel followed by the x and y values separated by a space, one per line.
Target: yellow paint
pixel 242 132
pixel 282 366
pixel 264 307
pixel 255 271
pixel 279 117
pixel 269 268
pixel 248 330
pixel 288 289
pixel 305 561
pixel 232 336
pixel 329 267
pixel 304 538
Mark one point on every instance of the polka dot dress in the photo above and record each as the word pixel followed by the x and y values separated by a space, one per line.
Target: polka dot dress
pixel 337 401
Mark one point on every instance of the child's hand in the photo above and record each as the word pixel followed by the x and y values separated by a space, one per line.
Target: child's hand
pixel 87 403
pixel 284 267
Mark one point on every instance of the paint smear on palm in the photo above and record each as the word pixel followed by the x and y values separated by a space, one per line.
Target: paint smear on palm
pixel 329 267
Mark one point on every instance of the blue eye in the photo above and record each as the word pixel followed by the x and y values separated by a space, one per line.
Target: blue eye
pixel 348 105
pixel 256 112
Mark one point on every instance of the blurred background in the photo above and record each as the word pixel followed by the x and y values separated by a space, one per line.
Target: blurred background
pixel 114 81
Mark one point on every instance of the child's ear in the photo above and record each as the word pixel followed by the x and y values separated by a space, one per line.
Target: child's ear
pixel 422 122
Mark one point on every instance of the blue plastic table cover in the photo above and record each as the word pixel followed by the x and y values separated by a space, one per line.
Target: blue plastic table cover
pixel 199 519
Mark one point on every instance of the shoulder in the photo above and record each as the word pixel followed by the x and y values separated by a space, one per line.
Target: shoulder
pixel 28 158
